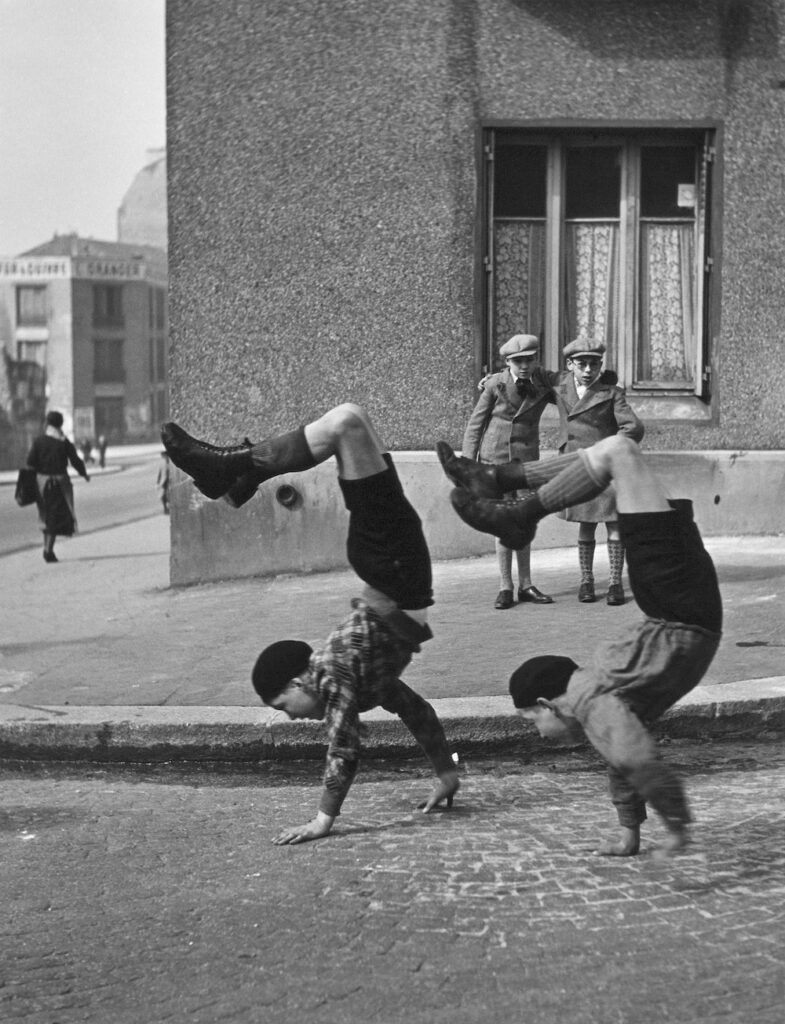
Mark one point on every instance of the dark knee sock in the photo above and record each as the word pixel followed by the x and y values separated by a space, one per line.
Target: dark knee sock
pixel 284 453
pixel 576 483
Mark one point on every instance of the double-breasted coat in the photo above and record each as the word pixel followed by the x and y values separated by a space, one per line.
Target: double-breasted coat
pixel 602 412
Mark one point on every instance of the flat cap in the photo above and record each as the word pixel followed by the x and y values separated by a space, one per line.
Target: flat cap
pixel 520 345
pixel 584 347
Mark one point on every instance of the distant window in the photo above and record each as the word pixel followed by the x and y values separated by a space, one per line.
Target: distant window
pixel 157 309
pixel 107 305
pixel 31 305
pixel 108 362
pixel 31 352
pixel 110 418
pixel 161 359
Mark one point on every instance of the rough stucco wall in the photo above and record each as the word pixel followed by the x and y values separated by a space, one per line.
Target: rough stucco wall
pixel 322 193
pixel 321 213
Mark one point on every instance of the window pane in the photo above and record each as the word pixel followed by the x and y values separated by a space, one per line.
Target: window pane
pixel 30 306
pixel 108 305
pixel 110 418
pixel 593 182
pixel 591 299
pixel 663 169
pixel 519 259
pixel 519 181
pixel 108 364
pixel 667 332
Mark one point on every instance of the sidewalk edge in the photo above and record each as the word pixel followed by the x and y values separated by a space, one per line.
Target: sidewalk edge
pixel 487 725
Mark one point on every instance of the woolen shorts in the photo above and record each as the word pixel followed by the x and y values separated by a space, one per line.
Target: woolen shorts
pixel 385 544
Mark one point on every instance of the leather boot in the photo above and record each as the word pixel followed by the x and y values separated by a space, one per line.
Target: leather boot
pixel 475 477
pixel 212 468
pixel 513 521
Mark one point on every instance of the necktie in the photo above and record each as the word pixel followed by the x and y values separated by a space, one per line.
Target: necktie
pixel 525 388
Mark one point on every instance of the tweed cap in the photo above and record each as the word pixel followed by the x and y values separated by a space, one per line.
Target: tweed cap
pixel 545 676
pixel 584 347
pixel 520 345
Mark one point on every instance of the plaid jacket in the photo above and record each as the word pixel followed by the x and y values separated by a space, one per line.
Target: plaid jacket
pixel 356 670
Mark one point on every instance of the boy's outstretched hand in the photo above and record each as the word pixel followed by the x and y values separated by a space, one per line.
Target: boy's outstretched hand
pixel 315 829
pixel 445 789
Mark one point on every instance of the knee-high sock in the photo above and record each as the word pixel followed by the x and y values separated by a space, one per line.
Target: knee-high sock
pixel 284 453
pixel 504 558
pixel 513 476
pixel 578 482
pixel 615 560
pixel 586 560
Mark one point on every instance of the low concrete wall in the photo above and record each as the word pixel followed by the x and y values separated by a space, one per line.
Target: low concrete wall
pixel 734 493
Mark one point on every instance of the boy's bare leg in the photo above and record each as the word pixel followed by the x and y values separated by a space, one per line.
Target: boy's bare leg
pixel 638 489
pixel 347 433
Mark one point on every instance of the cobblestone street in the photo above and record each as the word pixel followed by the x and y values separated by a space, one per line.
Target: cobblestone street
pixel 155 896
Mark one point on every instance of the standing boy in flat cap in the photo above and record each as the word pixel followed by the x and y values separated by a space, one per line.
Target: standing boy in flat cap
pixel 631 682
pixel 358 665
pixel 591 409
pixel 505 425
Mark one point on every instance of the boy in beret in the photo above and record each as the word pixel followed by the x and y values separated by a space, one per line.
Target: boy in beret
pixel 631 682
pixel 590 409
pixel 358 666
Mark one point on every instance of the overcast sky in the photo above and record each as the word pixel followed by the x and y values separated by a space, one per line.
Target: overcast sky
pixel 82 99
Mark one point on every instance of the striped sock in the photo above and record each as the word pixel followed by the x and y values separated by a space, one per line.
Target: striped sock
pixel 578 482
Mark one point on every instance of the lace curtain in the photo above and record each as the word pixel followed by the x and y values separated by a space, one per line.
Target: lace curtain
pixel 667 346
pixel 519 262
pixel 591 294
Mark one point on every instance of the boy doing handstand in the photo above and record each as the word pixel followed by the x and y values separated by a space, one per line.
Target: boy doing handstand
pixel 631 682
pixel 358 665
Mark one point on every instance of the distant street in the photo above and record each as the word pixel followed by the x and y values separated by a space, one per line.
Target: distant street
pixel 122 495
pixel 156 896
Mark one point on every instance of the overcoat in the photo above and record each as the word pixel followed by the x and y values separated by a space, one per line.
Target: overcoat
pixel 504 425
pixel 602 412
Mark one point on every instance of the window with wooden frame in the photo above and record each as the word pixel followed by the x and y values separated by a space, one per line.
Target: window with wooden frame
pixel 604 234
pixel 31 305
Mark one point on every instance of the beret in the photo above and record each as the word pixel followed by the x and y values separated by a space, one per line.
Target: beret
pixel 545 676
pixel 277 665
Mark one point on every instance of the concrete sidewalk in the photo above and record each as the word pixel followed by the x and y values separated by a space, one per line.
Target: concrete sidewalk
pixel 101 660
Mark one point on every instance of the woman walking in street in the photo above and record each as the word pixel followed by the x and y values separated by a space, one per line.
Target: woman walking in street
pixel 49 457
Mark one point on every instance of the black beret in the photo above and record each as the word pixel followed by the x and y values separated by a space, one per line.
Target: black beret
pixel 545 676
pixel 277 665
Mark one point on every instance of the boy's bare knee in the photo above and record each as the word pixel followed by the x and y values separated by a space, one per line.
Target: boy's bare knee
pixel 346 417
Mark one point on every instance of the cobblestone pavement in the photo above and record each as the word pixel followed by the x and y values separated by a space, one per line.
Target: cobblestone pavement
pixel 158 897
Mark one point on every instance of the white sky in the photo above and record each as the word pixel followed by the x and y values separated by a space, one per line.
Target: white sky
pixel 82 99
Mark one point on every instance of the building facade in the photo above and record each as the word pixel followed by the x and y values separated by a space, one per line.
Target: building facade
pixel 84 328
pixel 366 199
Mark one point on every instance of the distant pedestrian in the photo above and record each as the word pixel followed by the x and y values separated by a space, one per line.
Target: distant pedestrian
pixel 591 409
pixel 49 457
pixel 357 668
pixel 102 445
pixel 87 451
pixel 162 481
